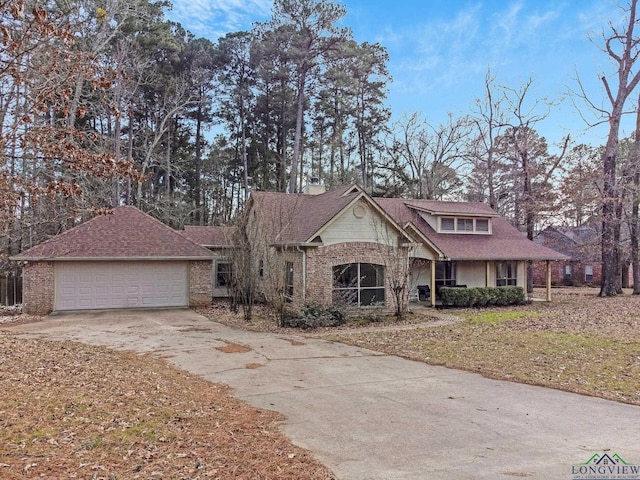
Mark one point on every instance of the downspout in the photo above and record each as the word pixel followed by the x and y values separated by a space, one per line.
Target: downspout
pixel 304 274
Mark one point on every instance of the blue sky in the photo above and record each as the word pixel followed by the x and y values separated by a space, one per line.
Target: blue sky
pixel 440 50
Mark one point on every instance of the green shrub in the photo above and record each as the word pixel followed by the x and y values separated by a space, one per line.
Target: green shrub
pixel 314 316
pixel 482 296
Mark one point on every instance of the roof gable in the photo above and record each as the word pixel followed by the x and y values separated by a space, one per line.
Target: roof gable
pixel 300 218
pixel 125 233
pixel 580 244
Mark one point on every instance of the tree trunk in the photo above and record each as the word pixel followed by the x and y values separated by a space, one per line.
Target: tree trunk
pixel 635 207
pixel 198 217
pixel 608 286
pixel 297 139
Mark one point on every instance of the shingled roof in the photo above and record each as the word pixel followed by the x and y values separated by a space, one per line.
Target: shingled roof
pixel 505 243
pixel 578 243
pixel 210 236
pixel 124 234
pixel 296 218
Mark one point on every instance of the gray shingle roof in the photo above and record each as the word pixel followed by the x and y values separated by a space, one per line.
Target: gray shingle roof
pixel 125 233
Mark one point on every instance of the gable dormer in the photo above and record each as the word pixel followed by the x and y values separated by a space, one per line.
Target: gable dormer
pixel 458 218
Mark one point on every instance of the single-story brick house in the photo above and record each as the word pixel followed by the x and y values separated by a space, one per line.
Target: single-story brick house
pixel 315 247
pixel 125 259
pixel 581 246
pixel 346 244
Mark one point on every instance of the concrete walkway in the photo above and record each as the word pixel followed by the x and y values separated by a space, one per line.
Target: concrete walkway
pixel 373 416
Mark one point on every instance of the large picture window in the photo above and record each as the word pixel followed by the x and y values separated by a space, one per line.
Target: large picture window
pixel 360 284
pixel 506 274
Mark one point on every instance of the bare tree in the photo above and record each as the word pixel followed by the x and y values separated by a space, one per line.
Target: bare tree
pixel 394 253
pixel 487 121
pixel 623 47
pixel 261 258
pixel 427 158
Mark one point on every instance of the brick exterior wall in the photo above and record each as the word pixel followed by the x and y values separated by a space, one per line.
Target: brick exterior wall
pixel 200 283
pixel 557 273
pixel 320 262
pixel 38 288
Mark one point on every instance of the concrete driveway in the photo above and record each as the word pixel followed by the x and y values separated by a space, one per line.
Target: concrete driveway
pixel 373 416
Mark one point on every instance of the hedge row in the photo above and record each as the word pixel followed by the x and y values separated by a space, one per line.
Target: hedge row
pixel 482 296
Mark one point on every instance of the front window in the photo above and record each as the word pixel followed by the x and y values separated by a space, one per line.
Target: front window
pixel 465 225
pixel 566 271
pixel 482 225
pixel 360 284
pixel 447 224
pixel 588 273
pixel 506 274
pixel 289 280
pixel 445 275
pixel 223 274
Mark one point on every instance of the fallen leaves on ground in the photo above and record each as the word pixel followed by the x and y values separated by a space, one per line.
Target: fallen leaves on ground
pixel 69 410
pixel 580 342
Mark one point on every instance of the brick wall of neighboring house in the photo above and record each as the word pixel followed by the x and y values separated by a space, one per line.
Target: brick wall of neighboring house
pixel 578 277
pixel 320 262
pixel 38 288
pixel 200 283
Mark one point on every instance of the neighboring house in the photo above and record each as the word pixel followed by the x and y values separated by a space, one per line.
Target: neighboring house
pixel 219 241
pixel 345 245
pixel 125 259
pixel 582 247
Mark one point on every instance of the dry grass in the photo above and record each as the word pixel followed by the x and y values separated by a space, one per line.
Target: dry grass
pixel 74 411
pixel 579 342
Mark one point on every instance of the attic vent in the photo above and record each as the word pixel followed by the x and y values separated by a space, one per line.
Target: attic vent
pixel 359 211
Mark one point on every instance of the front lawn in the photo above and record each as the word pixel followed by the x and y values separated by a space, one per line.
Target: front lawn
pixel 579 342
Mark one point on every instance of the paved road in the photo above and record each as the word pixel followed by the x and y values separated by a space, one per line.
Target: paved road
pixel 373 416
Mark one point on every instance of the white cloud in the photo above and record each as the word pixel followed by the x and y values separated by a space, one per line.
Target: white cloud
pixel 214 18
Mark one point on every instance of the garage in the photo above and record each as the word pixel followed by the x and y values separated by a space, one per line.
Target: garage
pixel 99 285
pixel 122 259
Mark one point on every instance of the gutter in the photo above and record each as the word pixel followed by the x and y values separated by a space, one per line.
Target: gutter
pixel 107 259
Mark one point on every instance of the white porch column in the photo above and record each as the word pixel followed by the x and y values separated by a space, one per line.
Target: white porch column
pixel 433 283
pixel 487 273
pixel 548 280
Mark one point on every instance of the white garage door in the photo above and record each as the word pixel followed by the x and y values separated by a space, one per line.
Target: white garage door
pixel 97 285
